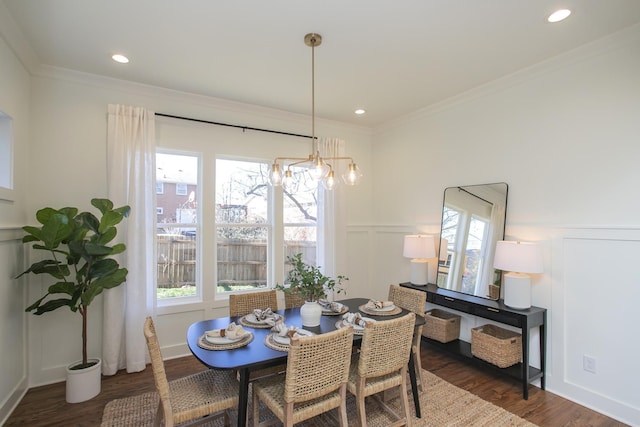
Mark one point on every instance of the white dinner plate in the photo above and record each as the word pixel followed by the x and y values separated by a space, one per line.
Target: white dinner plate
pixel 251 318
pixel 358 327
pixel 388 308
pixel 222 340
pixel 286 340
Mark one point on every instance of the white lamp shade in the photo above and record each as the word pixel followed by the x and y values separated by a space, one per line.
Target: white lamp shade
pixel 519 257
pixel 419 246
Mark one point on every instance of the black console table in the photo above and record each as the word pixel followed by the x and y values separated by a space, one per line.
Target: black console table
pixel 496 311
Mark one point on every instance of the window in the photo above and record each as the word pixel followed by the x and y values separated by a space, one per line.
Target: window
pixel 159 187
pixel 234 231
pixel 246 232
pixel 243 226
pixel 177 227
pixel 181 189
pixel 6 157
pixel 246 235
pixel 300 217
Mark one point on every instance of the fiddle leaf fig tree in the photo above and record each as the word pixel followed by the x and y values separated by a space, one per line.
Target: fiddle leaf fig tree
pixel 79 258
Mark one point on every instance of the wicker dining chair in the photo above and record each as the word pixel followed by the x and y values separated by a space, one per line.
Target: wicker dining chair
pixel 195 398
pixel 241 304
pixel 315 380
pixel 381 365
pixel 293 300
pixel 415 301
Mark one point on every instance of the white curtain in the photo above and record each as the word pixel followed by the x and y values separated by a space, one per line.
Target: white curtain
pixel 130 175
pixel 328 217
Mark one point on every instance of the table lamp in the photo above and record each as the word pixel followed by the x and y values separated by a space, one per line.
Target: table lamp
pixel 518 259
pixel 419 247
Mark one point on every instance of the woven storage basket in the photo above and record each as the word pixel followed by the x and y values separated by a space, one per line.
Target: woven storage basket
pixel 441 325
pixel 496 345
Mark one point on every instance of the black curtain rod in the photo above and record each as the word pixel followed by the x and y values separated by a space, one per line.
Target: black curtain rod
pixel 232 126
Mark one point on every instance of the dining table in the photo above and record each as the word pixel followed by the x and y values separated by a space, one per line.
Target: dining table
pixel 257 355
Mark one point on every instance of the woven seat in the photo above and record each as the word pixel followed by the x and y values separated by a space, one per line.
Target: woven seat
pixel 315 380
pixel 415 301
pixel 196 398
pixel 382 365
pixel 241 304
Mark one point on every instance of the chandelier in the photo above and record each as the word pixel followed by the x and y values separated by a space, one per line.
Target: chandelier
pixel 320 168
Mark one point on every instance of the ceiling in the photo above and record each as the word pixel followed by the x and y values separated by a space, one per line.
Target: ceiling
pixel 388 57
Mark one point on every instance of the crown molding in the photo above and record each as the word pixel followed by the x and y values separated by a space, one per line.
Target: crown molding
pixel 10 32
pixel 176 96
pixel 607 44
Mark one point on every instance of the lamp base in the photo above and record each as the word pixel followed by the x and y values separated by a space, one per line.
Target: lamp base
pixel 517 291
pixel 419 271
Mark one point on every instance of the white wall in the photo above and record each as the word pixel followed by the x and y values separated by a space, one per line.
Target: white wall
pixel 69 135
pixel 14 101
pixel 565 136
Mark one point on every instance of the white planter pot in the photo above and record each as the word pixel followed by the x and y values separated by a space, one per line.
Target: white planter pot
pixel 84 384
pixel 310 313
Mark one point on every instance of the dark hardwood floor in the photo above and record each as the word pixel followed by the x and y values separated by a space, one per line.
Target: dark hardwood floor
pixel 46 406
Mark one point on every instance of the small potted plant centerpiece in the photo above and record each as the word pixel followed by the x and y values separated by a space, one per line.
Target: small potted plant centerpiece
pixel 79 262
pixel 309 283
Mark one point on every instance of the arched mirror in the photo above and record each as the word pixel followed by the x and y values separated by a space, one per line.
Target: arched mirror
pixel 473 220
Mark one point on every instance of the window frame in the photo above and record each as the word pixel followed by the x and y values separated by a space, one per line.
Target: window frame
pixel 6 157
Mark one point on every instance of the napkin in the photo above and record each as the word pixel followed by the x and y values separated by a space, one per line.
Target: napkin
pixel 267 316
pixel 354 319
pixel 336 307
pixel 376 305
pixel 232 331
pixel 283 330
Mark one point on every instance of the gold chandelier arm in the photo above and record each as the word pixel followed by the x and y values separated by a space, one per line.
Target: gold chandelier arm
pixel 297 159
pixel 338 158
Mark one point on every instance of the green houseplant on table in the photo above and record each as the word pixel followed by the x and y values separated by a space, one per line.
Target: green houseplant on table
pixel 80 262
pixel 309 283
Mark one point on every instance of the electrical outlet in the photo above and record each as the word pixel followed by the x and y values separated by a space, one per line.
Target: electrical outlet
pixel 589 364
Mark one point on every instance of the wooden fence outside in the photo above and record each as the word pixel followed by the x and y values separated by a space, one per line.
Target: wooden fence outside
pixel 240 262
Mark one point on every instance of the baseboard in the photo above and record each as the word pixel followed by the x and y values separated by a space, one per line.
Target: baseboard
pixel 13 400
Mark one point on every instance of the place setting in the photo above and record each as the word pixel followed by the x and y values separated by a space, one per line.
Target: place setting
pixel 260 319
pixel 356 320
pixel 380 308
pixel 280 337
pixel 233 336
pixel 332 308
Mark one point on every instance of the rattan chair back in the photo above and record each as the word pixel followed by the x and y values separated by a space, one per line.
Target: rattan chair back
pixel 318 365
pixel 241 304
pixel 409 299
pixel 198 397
pixel 293 300
pixel 382 365
pixel 157 365
pixel 386 346
pixel 415 301
pixel 315 380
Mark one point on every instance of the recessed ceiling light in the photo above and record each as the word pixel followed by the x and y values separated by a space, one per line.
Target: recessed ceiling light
pixel 360 111
pixel 120 58
pixel 559 15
